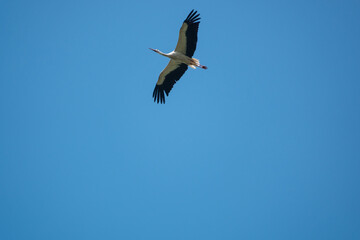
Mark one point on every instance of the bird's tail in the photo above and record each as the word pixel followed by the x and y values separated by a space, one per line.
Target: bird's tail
pixel 196 63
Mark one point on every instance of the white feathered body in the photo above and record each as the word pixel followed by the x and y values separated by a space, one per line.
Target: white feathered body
pixel 182 58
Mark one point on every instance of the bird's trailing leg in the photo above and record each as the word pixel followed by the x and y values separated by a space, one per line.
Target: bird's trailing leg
pixel 196 63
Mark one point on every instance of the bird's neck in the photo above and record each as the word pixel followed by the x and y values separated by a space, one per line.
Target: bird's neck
pixel 161 53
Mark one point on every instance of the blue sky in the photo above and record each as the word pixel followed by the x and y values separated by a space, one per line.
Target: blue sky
pixel 265 144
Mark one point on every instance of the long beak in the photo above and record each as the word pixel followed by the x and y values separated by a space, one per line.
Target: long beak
pixel 152 49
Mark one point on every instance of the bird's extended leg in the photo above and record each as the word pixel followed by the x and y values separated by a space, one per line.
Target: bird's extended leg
pixel 203 67
pixel 196 62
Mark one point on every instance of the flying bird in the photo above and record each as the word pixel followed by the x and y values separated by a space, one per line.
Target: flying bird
pixel 180 58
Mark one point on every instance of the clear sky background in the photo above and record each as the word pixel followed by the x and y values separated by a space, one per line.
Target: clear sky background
pixel 265 144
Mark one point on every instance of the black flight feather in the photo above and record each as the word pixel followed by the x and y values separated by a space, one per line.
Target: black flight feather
pixel 193 22
pixel 170 79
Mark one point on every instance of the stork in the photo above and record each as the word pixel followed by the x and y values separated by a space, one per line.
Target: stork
pixel 180 58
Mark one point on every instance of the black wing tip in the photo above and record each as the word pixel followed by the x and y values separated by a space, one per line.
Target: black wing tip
pixel 158 94
pixel 193 17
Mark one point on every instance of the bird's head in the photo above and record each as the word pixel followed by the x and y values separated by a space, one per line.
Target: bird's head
pixel 155 50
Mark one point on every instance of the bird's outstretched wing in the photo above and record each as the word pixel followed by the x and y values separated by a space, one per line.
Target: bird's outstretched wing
pixel 188 34
pixel 168 77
